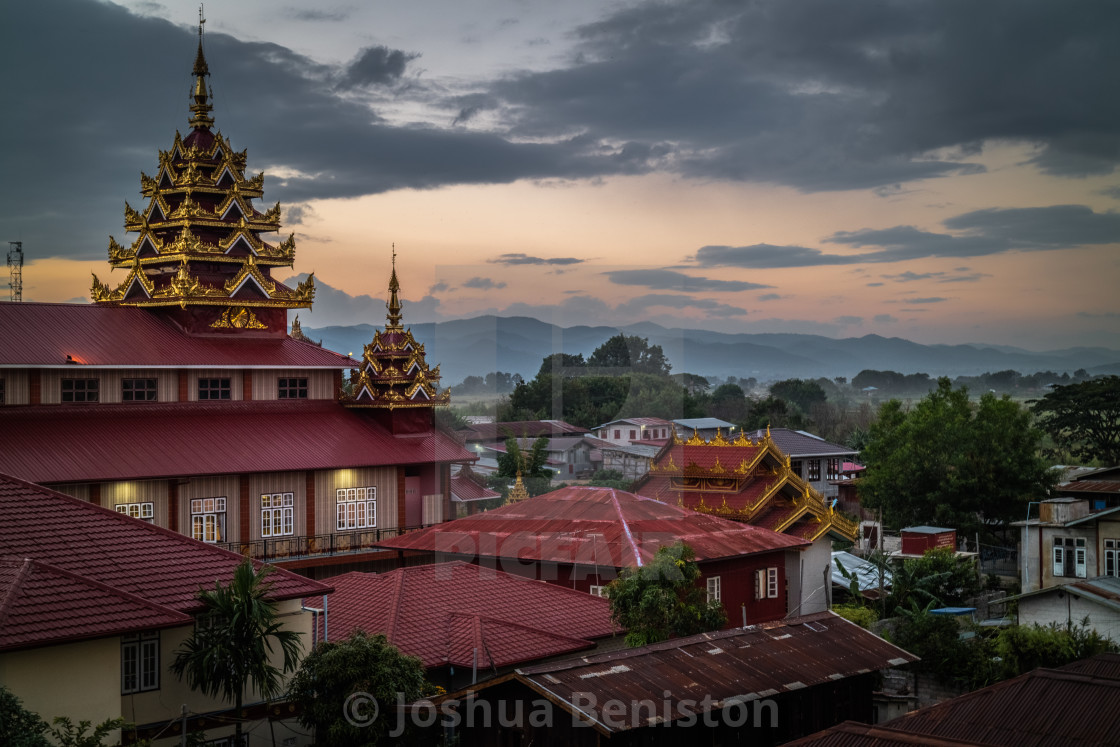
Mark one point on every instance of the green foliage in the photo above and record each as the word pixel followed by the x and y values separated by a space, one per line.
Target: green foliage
pixel 609 478
pixel 938 576
pixel 892 382
pixel 66 733
pixel 233 640
pixel 530 464
pixel 1026 647
pixel 630 354
pixel 19 727
pixel 800 393
pixel 937 641
pixel 857 613
pixel 362 663
pixel 1084 419
pixel 949 463
pixel 661 600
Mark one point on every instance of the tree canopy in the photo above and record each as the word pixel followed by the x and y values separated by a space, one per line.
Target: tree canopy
pixel 949 463
pixel 1084 418
pixel 234 640
pixel 333 672
pixel 803 394
pixel 661 600
pixel 630 353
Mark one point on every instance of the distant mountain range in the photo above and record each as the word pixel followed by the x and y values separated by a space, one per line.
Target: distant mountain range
pixel 474 347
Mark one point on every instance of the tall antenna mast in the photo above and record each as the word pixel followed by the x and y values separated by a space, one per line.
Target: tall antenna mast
pixel 15 269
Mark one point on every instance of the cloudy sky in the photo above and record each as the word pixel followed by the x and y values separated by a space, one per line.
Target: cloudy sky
pixel 941 170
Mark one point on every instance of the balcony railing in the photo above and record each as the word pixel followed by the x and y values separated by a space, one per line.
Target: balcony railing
pixel 316 545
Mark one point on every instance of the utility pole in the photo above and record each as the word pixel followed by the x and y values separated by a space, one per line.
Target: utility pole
pixel 15 269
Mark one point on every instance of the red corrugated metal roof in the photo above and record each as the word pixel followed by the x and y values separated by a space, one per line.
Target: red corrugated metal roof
pixel 43 334
pixel 154 564
pixel 82 443
pixel 592 526
pixel 442 613
pixel 855 734
pixel 1042 707
pixel 41 604
pixel 711 668
pixel 465 488
pixel 520 429
pixel 1090 486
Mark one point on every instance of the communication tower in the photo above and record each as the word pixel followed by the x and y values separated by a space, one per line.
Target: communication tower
pixel 15 269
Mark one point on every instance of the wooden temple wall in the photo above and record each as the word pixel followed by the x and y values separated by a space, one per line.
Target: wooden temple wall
pixel 328 482
pixel 320 384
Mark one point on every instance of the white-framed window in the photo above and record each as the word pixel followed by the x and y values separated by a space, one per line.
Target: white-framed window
pixel 766 583
pixel 1112 557
pixel 1070 557
pixel 139 662
pixel 714 589
pixel 143 511
pixel 600 591
pixel 277 514
pixel 356 508
pixel 208 519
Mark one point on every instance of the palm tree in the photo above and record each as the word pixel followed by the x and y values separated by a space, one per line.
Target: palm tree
pixel 233 639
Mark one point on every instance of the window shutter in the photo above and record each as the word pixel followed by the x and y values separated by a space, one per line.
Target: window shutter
pixel 1079 561
pixel 1059 559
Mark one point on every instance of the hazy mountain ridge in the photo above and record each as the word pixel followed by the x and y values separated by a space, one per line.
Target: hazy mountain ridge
pixel 476 346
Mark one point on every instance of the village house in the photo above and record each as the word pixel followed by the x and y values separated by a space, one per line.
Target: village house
pixel 1068 542
pixel 180 398
pixel 634 430
pixel 818 462
pixel 582 537
pixel 467 623
pixel 94 604
pixel 751 481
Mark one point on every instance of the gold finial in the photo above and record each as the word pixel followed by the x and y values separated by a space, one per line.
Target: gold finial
pixel 201 106
pixel 394 303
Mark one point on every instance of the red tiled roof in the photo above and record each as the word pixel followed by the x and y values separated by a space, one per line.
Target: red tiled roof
pixel 157 565
pixel 81 443
pixel 43 334
pixel 591 526
pixel 441 613
pixel 41 604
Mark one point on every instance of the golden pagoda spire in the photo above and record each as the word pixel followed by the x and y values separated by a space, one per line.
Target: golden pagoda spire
pixel 201 106
pixel 394 303
pixel 518 492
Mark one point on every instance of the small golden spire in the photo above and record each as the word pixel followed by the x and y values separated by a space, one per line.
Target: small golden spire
pixel 519 492
pixel 394 304
pixel 201 106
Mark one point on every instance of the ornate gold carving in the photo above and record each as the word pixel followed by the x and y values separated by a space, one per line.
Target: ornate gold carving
pixel 133 218
pixel 118 253
pixel 184 284
pixel 717 468
pixel 695 440
pixel 240 318
pixel 719 440
pixel 99 291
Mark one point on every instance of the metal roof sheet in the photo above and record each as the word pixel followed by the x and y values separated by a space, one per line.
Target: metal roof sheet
pixel 742 663
pixel 441 613
pixel 799 444
pixel 592 526
pixel 45 334
pixel 154 564
pixel 83 443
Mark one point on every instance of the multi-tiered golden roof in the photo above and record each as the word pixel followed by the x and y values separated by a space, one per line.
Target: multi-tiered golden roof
pixel 198 243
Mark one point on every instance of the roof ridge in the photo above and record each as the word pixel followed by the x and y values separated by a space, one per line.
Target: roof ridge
pixel 479 617
pixel 14 589
pixel 395 603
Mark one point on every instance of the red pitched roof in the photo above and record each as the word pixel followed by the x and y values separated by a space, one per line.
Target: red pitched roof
pixel 80 443
pixel 42 604
pixel 520 429
pixel 442 613
pixel 131 557
pixel 592 526
pixel 44 334
pixel 465 487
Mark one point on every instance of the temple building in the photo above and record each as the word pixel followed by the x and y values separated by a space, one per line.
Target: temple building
pixel 180 398
pixel 751 481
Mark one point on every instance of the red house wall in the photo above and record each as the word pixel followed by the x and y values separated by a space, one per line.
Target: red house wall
pixel 914 543
pixel 737 587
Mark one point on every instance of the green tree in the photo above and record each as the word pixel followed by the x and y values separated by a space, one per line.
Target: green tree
pixel 661 600
pixel 949 463
pixel 20 727
pixel 234 639
pixel 1084 418
pixel 800 393
pixel 630 354
pixel 333 672
pixel 65 733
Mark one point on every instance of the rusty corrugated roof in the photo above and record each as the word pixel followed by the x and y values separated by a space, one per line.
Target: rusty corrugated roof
pixel 592 526
pixel 85 443
pixel 711 670
pixel 38 335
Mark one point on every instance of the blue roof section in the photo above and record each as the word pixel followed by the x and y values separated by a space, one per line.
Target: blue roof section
pixel 703 424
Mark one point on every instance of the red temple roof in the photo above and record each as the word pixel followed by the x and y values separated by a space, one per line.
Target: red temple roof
pixel 126 572
pixel 442 613
pixel 592 526
pixel 72 335
pixel 83 443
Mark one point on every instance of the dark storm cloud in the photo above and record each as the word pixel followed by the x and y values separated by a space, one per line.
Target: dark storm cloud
pixel 525 259
pixel 482 283
pixel 314 14
pixel 978 233
pixel 377 66
pixel 678 281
